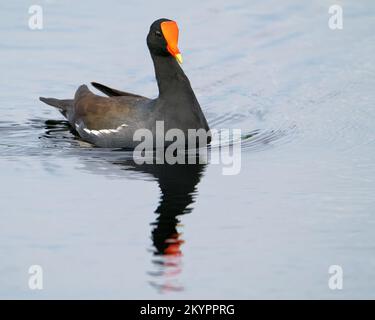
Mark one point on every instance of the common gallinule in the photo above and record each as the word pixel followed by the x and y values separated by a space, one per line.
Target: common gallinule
pixel 111 121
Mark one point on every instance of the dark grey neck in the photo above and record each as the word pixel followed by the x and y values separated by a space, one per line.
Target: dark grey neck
pixel 171 79
pixel 176 94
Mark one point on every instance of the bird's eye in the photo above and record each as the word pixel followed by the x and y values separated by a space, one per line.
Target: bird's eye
pixel 158 34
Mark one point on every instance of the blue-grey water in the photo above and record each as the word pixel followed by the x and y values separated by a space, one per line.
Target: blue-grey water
pixel 102 227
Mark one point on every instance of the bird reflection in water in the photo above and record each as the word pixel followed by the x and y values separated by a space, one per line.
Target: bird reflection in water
pixel 178 185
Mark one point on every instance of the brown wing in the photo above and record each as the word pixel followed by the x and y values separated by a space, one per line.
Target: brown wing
pixel 113 92
pixel 97 112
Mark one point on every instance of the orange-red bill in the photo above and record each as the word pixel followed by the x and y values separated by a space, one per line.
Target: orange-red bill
pixel 170 32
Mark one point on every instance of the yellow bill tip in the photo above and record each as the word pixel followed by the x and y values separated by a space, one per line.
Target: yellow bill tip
pixel 178 57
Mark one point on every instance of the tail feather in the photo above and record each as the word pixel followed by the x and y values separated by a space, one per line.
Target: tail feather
pixel 62 105
pixel 57 103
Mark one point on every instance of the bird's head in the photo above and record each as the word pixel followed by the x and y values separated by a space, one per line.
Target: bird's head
pixel 162 39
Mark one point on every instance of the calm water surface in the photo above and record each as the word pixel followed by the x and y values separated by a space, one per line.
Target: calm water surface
pixel 103 227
